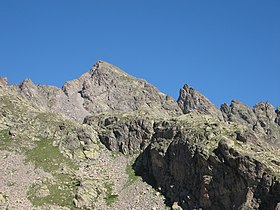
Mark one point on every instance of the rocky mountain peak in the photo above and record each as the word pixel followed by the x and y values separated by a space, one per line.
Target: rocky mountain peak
pixel 103 67
pixel 28 88
pixel 190 100
pixel 265 110
pixel 106 88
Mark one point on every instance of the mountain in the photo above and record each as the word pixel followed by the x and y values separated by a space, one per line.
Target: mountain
pixel 108 140
pixel 104 88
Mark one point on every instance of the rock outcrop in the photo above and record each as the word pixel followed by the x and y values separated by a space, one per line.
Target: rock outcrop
pixel 198 170
pixel 239 112
pixel 190 100
pixel 262 119
pixel 127 134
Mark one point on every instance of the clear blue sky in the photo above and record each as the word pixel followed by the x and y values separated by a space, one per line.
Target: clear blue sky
pixel 225 49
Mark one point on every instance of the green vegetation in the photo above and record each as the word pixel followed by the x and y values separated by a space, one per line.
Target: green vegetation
pixel 48 157
pixel 110 198
pixel 5 141
pixel 61 191
pixel 63 185
pixel 131 173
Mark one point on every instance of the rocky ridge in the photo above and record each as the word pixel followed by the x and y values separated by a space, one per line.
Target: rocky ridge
pixel 97 131
pixel 104 88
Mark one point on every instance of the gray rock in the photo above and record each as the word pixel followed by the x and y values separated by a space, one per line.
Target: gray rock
pixel 106 88
pixel 53 99
pixel 267 119
pixel 43 191
pixel 239 112
pixel 125 134
pixel 265 112
pixel 262 119
pixel 190 100
pixel 246 137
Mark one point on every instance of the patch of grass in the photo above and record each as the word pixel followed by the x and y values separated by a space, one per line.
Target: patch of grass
pixel 131 173
pixel 5 141
pixel 48 157
pixel 110 198
pixel 61 192
pixel 63 186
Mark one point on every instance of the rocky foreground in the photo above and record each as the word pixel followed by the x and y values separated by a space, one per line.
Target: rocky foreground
pixel 108 140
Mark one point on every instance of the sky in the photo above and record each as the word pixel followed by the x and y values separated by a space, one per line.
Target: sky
pixel 224 49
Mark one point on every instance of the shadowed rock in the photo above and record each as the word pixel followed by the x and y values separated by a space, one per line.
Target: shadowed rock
pixel 127 134
pixel 197 172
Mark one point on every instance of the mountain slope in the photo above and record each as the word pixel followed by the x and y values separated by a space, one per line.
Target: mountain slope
pixel 79 147
pixel 50 161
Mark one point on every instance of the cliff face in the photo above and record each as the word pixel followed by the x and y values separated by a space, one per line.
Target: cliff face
pixel 200 162
pixel 82 140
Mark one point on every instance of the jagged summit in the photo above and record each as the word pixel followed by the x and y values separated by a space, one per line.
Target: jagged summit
pixel 104 88
pixel 105 67
pixel 100 70
pixel 191 100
